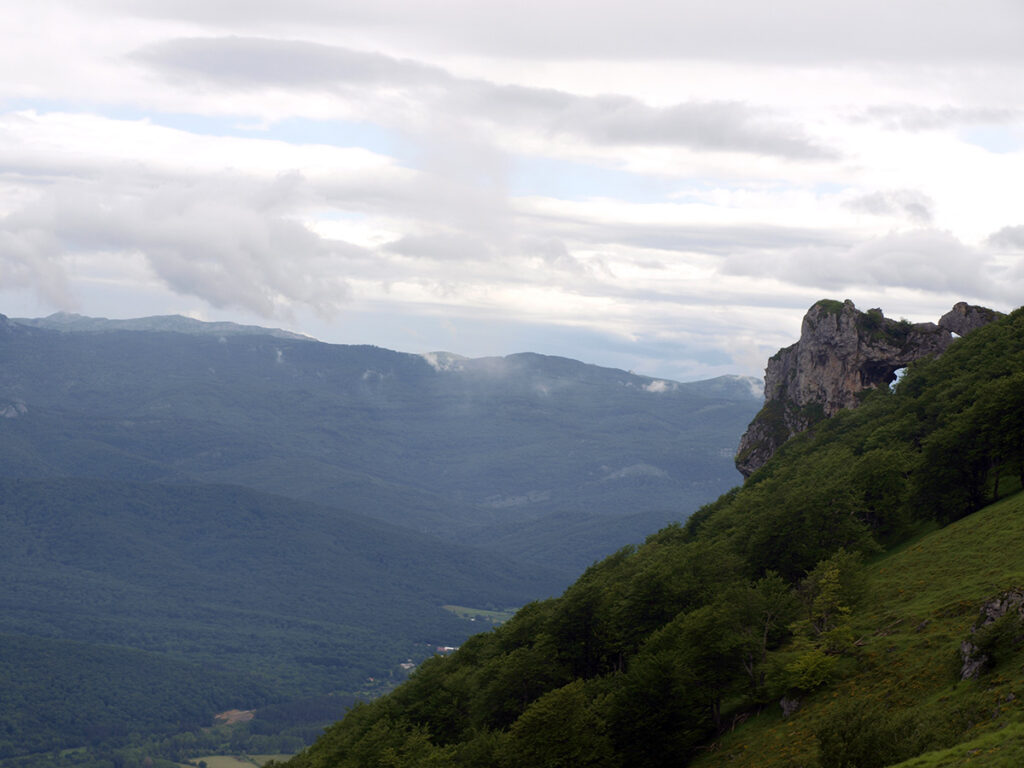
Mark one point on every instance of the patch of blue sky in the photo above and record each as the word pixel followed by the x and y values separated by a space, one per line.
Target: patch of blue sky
pixel 335 133
pixel 569 180
pixel 997 139
pixel 899 374
pixel 825 188
pixel 39 105
pixel 295 130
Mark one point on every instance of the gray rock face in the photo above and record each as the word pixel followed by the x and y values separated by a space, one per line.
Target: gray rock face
pixel 964 318
pixel 841 352
pixel 789 706
pixel 973 660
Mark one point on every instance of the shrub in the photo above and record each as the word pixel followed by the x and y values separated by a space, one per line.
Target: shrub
pixel 860 734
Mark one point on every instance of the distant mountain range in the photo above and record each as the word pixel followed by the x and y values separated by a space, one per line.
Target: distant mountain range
pixel 270 516
pixel 455 447
pixel 69 322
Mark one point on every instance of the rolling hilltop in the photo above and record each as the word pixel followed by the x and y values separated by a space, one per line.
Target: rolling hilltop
pixel 857 602
pixel 203 517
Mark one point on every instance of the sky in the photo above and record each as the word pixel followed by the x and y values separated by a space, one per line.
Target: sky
pixel 662 186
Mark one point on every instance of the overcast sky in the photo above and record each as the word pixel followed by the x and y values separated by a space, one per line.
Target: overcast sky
pixel 660 185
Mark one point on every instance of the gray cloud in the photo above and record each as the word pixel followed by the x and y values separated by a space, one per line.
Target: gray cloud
pixel 251 63
pixel 554 253
pixel 620 120
pixel 785 31
pixel 222 239
pixel 443 247
pixel 912 117
pixel 904 203
pixel 478 257
pixel 711 239
pixel 922 259
pixel 29 258
pixel 1011 238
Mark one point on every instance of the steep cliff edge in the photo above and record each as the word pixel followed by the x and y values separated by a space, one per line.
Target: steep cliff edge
pixel 841 352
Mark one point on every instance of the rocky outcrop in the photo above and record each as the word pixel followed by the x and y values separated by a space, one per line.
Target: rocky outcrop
pixel 789 706
pixel 976 649
pixel 841 352
pixel 964 318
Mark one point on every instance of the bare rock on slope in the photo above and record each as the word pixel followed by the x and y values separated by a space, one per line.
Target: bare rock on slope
pixel 841 352
pixel 964 318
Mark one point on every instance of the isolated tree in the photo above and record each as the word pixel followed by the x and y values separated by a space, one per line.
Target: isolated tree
pixel 763 611
pixel 830 591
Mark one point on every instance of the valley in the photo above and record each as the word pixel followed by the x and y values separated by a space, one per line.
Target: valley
pixel 206 518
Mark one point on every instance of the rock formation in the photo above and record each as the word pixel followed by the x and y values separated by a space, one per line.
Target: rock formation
pixel 842 351
pixel 964 318
pixel 974 660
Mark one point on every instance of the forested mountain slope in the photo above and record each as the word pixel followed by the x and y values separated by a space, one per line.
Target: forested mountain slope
pixel 657 652
pixel 144 608
pixel 436 443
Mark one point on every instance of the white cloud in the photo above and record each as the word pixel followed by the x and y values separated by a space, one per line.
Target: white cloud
pixel 922 259
pixel 256 63
pixel 226 236
pixel 670 184
pixel 915 117
pixel 1011 238
pixel 904 203
pixel 198 238
pixel 659 386
pixel 788 30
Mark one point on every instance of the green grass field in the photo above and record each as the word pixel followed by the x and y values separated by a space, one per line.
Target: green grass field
pixel 480 615
pixel 999 749
pixel 234 761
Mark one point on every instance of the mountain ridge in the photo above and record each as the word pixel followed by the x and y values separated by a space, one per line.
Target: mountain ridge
pixel 441 361
pixel 67 322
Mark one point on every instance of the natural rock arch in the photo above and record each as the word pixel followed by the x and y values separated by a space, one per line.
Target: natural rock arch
pixel 841 352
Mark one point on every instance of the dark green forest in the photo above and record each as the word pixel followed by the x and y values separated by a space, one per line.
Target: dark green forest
pixel 657 653
pixel 145 608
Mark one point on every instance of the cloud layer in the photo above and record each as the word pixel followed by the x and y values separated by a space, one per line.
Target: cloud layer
pixel 617 120
pixel 663 186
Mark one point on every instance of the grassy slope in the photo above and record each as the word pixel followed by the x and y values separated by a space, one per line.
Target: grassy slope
pixel 921 601
pixel 1002 748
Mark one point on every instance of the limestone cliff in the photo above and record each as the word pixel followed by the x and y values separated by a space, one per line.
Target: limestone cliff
pixel 841 352
pixel 964 318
